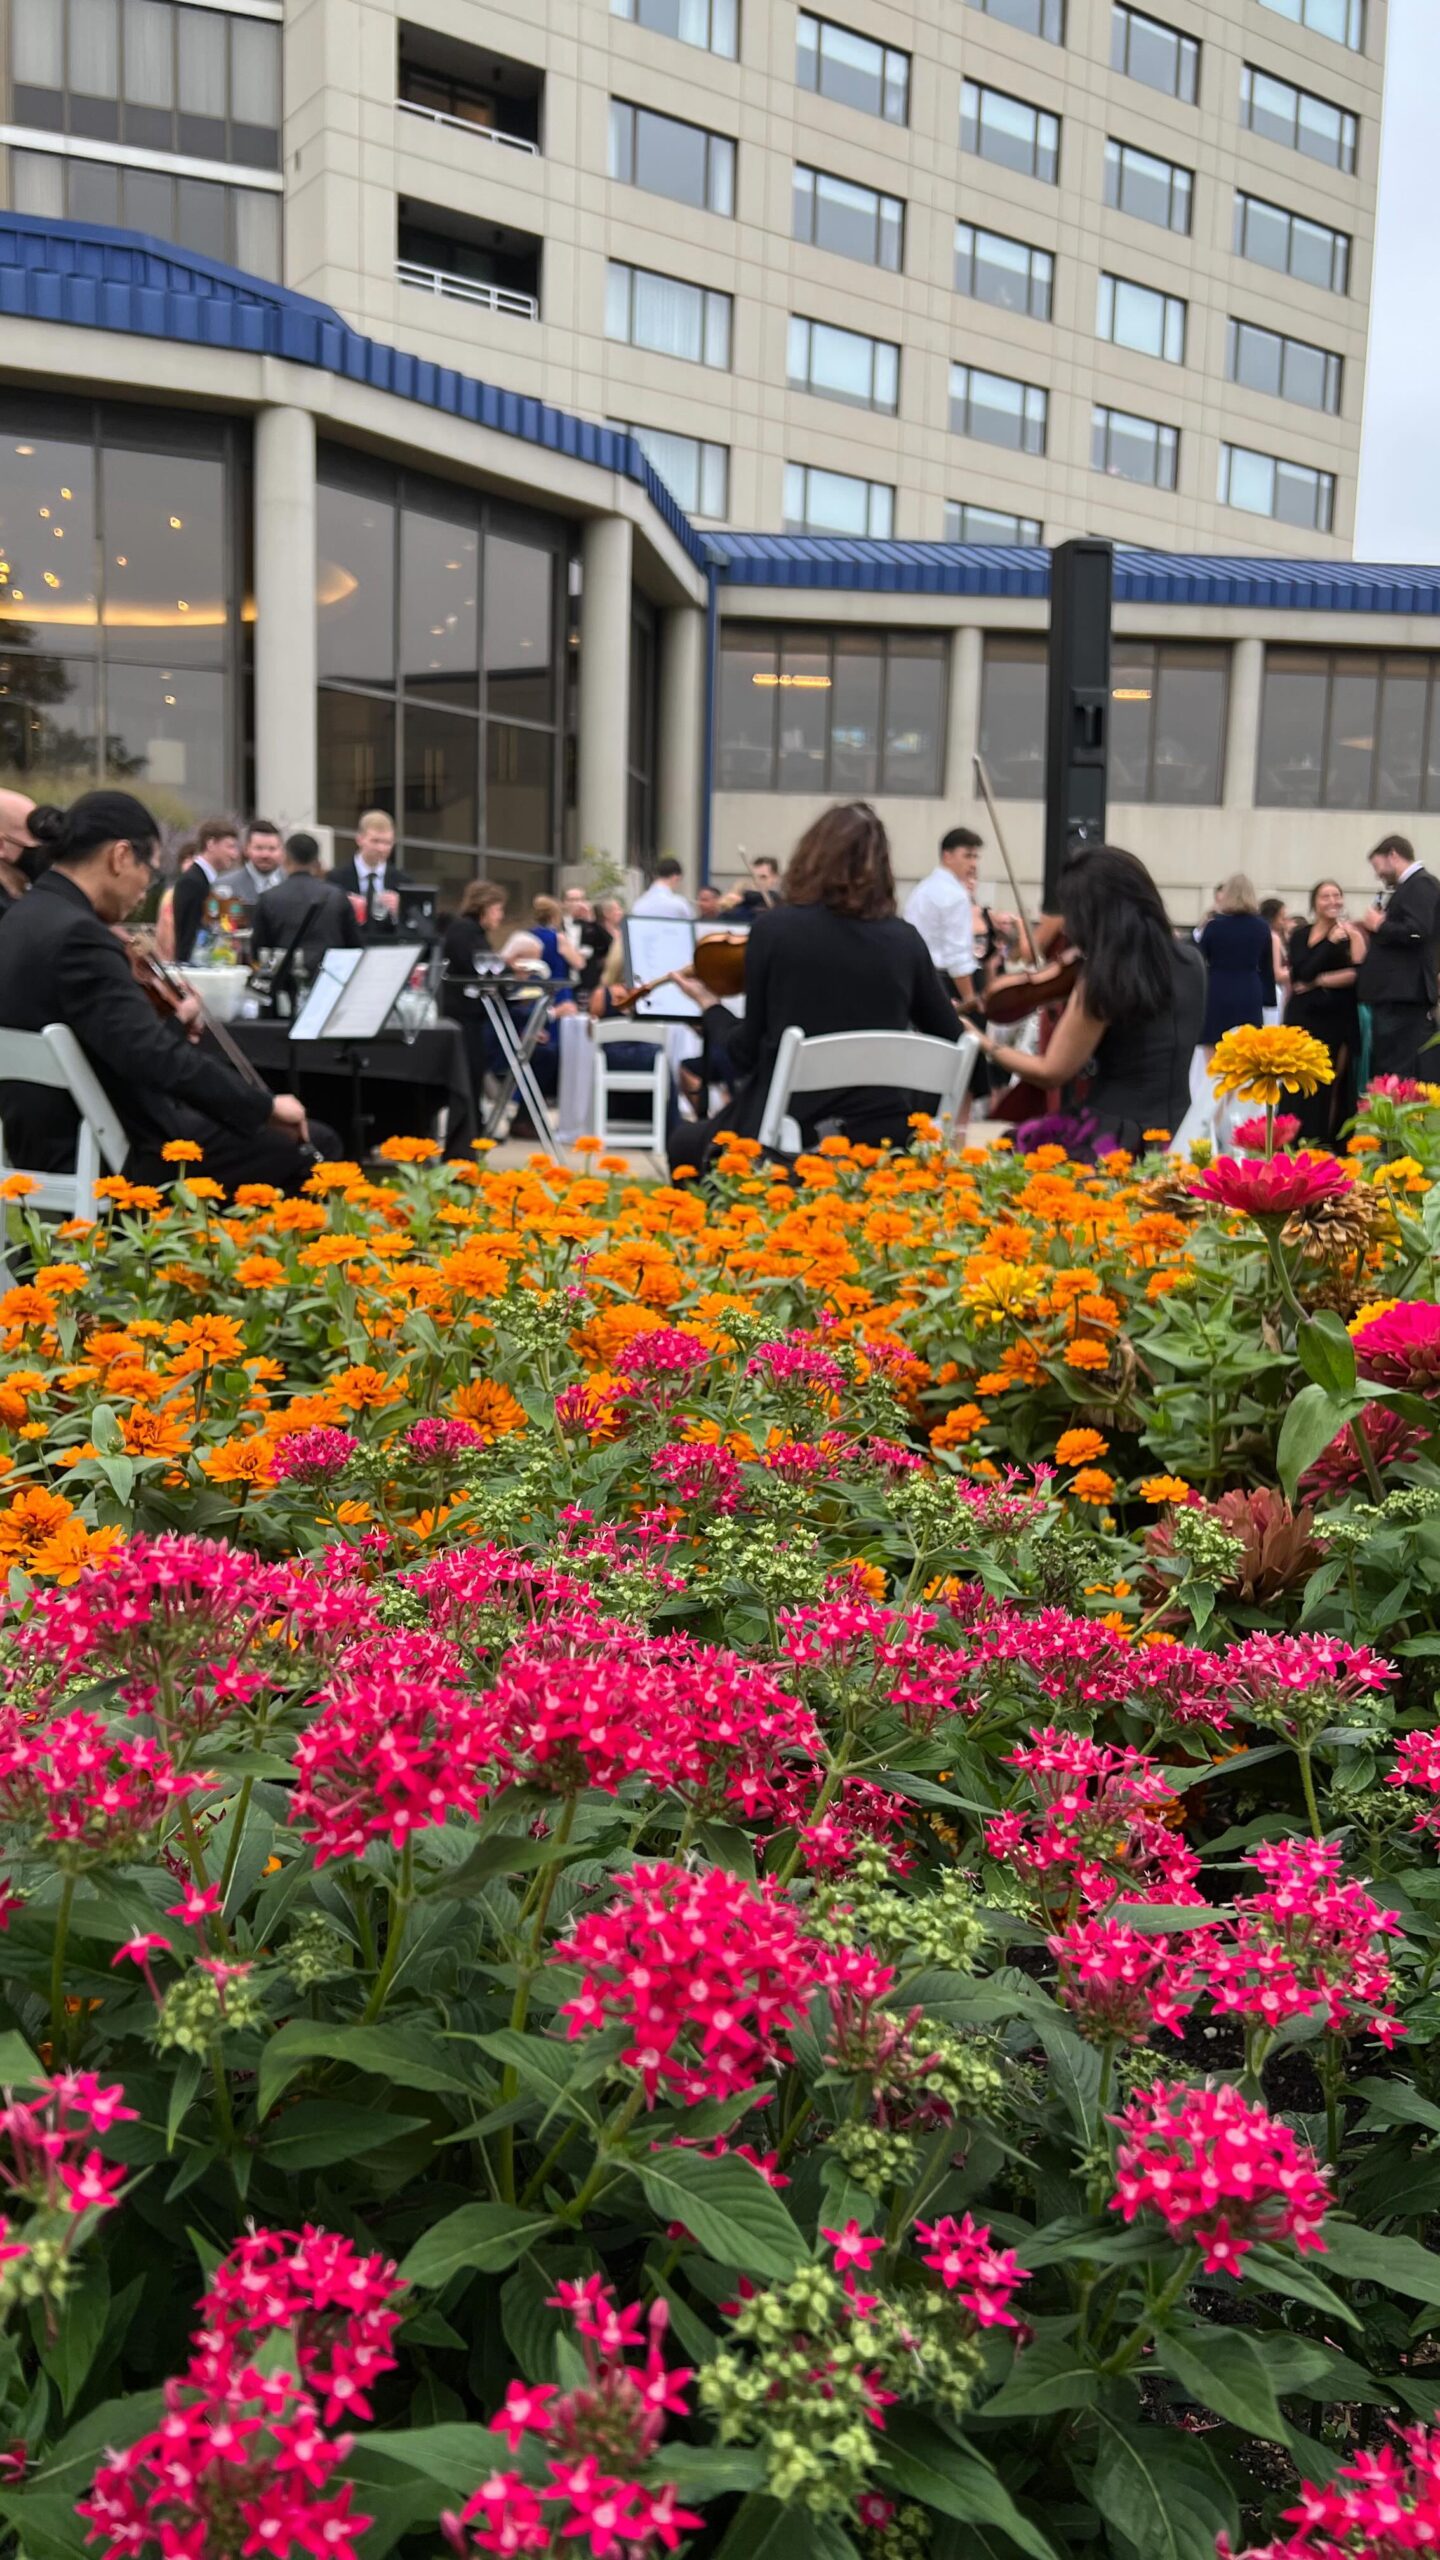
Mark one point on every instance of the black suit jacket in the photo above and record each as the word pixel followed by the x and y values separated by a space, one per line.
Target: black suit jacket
pixel 826 972
pixel 59 963
pixel 348 878
pixel 192 889
pixel 1399 967
pixel 320 913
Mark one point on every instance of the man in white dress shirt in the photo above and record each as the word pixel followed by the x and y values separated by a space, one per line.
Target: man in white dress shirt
pixel 943 913
pixel 665 895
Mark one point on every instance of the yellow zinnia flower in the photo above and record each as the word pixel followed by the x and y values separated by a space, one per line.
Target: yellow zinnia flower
pixel 1262 1061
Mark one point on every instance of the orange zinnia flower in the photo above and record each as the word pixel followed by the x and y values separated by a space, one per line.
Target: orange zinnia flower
pixel 494 1411
pixel 247 1460
pixel 27 1521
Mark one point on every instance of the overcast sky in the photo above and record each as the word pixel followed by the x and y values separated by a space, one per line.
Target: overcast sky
pixel 1399 509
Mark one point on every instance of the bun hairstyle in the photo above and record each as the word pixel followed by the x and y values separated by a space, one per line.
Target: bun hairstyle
pixel 97 818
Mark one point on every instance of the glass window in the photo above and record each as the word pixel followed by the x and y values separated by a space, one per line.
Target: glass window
pixel 1167 722
pixel 47 545
pixel 668 316
pixel 440 608
pixel 749 696
pixel 1012 717
pixel 256 220
pixel 696 473
pixel 1287 368
pixel 165 727
pixel 1129 448
pixel 519 650
pixel 844 711
pixel 994 268
pixel 965 523
pixel 49 720
pixel 92 191
pixel 149 53
pixel 1036 17
pixel 1342 20
pixel 1346 729
pixel 1280 112
pixel 1309 251
pixel 37 47
pixel 1262 485
pixel 1153 190
pixel 37 184
pixel 355 585
pixel 356 756
pixel 1004 129
pixel 841 364
pixel 669 158
pixel 998 409
pixel 1144 48
pixel 162 522
pixel 854 221
pixel 94 27
pixel 835 502
pixel 712 24
pixel 1135 315
pixel 255 92
pixel 853 70
pixel 519 788
pixel 440 789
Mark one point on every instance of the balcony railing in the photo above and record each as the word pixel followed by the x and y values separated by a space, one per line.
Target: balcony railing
pixel 462 124
pixel 488 297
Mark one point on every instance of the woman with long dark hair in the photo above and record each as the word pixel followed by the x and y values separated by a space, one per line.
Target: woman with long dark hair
pixel 833 956
pixel 1135 1013
pixel 1325 956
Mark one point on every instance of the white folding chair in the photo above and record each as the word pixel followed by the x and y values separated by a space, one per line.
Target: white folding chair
pixel 909 1061
pixel 54 1058
pixel 653 1080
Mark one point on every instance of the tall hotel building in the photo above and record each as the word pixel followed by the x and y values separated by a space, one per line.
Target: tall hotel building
pixel 631 422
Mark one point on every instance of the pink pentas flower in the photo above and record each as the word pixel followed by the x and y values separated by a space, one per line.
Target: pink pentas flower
pixel 1380 2505
pixel 1220 2172
pixel 313 1456
pixel 384 1758
pixel 1095 1824
pixel 84 1794
pixel 197 1904
pixel 707 1973
pixel 851 2248
pixel 699 1471
pixel 1121 1986
pixel 1283 1187
pixel 47 2150
pixel 796 1362
pixel 1308 1940
pixel 1294 1679
pixel 969 2265
pixel 442 1439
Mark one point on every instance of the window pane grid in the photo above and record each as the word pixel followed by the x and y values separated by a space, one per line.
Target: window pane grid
pixel 236 224
pixel 991 267
pixel 1033 17
pixel 1342 20
pixel 1141 318
pixel 996 126
pixel 667 316
pixel 967 523
pixel 842 364
pixel 1131 448
pixel 1290 244
pixel 1261 484
pixel 1145 49
pixel 851 69
pixel 709 24
pixel 997 409
pixel 1296 119
pixel 819 501
pixel 1167 720
pixel 153 73
pixel 1152 190
pixel 851 220
pixel 666 157
pixel 695 471
pixel 1287 368
pixel 1349 729
pixel 831 711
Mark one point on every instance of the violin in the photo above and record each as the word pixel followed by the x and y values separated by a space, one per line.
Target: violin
pixel 168 993
pixel 719 964
pixel 1015 993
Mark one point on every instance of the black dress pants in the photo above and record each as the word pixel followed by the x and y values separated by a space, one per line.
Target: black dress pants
pixel 1398 1036
pixel 232 1158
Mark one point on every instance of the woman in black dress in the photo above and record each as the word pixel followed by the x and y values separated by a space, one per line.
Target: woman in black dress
pixel 834 956
pixel 1135 1013
pixel 1237 949
pixel 1324 957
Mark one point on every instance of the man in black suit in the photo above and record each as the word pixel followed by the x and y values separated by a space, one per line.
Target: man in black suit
pixel 306 904
pixel 212 875
pixel 374 877
pixel 1397 977
pixel 60 961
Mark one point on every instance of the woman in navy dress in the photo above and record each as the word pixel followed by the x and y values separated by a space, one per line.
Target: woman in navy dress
pixel 1239 953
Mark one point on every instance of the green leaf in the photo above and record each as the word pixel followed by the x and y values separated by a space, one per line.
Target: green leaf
pixel 1075 2073
pixel 1160 2493
pixel 1313 1421
pixel 764 2531
pixel 921 2461
pixel 1052 2374
pixel 727 2208
pixel 183 2087
pixel 403 2056
pixel 1326 1352
pixel 1384 2258
pixel 1224 2370
pixel 69 2466
pixel 713 2471
pixel 321 2131
pixel 1395 2102
pixel 504 1853
pixel 18 2066
pixel 70 2354
pixel 452 2458
pixel 483 2236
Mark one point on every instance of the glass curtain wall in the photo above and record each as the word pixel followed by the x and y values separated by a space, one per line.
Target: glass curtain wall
pixel 439 621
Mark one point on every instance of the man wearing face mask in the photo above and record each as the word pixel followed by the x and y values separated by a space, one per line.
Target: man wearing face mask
pixel 61 960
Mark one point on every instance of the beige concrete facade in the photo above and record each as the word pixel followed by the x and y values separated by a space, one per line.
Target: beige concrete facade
pixel 351 157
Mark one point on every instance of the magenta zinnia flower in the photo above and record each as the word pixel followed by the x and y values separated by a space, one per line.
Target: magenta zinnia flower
pixel 1402 1349
pixel 1253 1136
pixel 1277 1189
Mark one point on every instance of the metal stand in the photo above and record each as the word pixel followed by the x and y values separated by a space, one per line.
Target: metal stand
pixel 517 1048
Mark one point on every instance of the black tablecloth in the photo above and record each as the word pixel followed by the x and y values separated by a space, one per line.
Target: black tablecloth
pixel 405 1082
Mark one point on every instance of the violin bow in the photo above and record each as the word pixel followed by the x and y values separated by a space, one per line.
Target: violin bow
pixel 988 796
